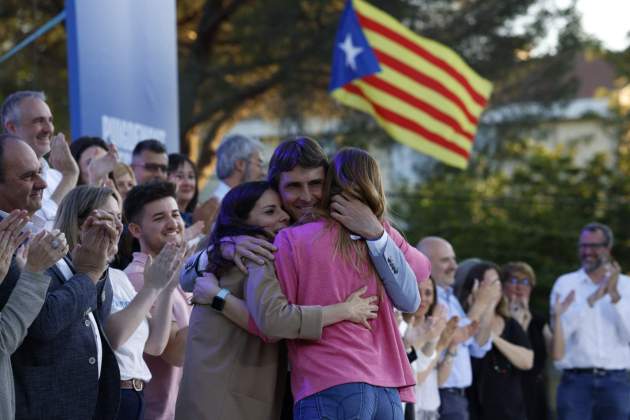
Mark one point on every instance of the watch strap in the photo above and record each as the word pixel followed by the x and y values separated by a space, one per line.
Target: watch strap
pixel 218 303
pixel 223 293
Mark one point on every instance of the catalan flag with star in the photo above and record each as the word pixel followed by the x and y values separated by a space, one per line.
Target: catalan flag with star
pixel 420 91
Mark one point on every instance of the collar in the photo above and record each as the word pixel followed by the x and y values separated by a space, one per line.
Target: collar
pixel 221 190
pixel 584 275
pixel 445 292
pixel 140 258
pixel 38 221
pixel 586 279
pixel 45 165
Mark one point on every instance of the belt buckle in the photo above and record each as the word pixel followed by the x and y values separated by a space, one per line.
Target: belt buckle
pixel 137 384
pixel 599 372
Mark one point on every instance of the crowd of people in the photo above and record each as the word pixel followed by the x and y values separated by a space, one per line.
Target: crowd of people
pixel 287 294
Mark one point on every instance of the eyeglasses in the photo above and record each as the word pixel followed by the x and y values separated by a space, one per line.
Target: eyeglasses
pixel 593 245
pixel 522 282
pixel 152 167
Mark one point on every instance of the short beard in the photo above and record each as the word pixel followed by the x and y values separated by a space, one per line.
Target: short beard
pixel 590 268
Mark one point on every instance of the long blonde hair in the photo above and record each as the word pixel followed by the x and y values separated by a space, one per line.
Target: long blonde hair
pixel 355 174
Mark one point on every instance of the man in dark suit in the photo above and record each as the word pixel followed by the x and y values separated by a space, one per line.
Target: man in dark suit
pixel 21 188
pixel 65 369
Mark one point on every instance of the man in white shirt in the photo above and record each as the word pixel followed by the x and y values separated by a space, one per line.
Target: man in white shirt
pixel 596 330
pixel 454 403
pixel 26 115
pixel 239 159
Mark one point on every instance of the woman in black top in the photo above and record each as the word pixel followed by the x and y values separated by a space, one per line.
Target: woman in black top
pixel 496 392
pixel 518 280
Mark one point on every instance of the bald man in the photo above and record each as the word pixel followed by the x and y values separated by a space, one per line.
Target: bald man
pixel 454 404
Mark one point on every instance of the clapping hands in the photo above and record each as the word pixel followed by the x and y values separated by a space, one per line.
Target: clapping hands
pixel 60 157
pixel 561 306
pixel 461 334
pixel 162 272
pixel 608 285
pixel 488 292
pixel 99 236
pixel 429 329
pixel 11 236
pixel 99 169
pixel 44 250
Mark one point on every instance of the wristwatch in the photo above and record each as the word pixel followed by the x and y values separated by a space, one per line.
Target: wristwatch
pixel 218 303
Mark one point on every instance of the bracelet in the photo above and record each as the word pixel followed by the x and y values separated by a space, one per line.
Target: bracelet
pixel 449 354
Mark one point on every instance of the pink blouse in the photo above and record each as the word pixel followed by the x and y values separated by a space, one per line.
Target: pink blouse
pixel 310 273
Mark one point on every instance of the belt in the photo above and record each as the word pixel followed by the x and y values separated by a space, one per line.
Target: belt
pixel 594 371
pixel 458 391
pixel 135 384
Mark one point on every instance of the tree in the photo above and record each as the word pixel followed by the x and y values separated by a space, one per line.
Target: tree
pixel 40 66
pixel 235 63
pixel 271 58
pixel 532 212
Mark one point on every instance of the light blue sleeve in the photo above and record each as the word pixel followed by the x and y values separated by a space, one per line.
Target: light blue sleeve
pixel 398 278
pixel 476 350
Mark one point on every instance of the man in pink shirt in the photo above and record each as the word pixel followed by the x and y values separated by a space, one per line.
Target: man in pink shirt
pixel 154 219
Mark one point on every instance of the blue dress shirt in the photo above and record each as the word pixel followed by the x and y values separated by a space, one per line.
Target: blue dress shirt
pixel 461 372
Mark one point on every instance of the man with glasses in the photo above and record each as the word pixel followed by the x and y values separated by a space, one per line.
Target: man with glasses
pixel 596 328
pixel 149 161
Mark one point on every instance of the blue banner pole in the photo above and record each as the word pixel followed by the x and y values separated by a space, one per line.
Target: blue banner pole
pixel 32 37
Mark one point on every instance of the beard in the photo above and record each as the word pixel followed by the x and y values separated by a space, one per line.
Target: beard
pixel 592 265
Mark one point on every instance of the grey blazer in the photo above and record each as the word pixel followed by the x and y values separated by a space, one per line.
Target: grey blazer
pixel 21 308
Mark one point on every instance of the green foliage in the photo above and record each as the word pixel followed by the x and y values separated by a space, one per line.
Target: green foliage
pixel 531 211
pixel 40 66
pixel 272 59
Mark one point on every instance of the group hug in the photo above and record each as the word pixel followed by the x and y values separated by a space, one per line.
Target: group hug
pixel 287 294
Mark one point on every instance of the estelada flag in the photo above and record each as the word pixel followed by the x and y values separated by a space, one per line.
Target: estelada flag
pixel 420 91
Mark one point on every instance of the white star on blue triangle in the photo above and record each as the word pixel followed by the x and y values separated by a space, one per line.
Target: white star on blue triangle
pixel 350 51
pixel 353 57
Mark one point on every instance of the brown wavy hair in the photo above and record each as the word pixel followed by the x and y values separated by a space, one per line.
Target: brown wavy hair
pixel 355 174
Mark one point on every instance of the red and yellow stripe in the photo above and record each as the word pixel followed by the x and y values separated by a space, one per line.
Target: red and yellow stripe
pixel 426 96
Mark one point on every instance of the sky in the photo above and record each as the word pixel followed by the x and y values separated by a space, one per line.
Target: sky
pixel 607 20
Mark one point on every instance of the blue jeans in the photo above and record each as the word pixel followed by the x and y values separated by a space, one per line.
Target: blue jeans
pixel 353 401
pixel 587 396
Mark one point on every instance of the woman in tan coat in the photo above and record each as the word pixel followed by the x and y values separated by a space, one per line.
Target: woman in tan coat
pixel 232 372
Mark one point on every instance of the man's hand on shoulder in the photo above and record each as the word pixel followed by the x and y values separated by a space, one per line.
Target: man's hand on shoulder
pixel 239 248
pixel 356 216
